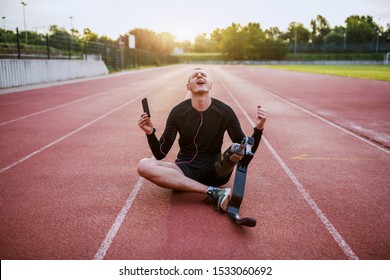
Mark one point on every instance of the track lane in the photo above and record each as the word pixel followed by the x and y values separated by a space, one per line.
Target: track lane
pixel 58 204
pixel 55 203
pixel 358 105
pixel 329 226
pixel 51 125
pixel 243 98
pixel 32 102
pixel 334 169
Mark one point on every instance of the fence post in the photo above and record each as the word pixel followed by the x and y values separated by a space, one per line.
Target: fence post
pixel 17 42
pixel 70 56
pixel 85 50
pixel 47 46
pixel 104 53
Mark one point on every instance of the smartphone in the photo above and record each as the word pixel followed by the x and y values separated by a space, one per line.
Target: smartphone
pixel 145 106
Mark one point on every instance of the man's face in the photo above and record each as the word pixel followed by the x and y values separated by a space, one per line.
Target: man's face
pixel 198 82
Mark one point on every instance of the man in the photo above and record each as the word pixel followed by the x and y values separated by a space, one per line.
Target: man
pixel 201 122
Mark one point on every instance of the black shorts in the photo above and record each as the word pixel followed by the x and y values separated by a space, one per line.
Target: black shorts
pixel 203 173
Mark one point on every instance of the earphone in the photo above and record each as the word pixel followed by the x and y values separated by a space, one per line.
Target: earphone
pixel 196 146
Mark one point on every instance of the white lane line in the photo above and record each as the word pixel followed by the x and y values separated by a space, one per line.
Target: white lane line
pixel 331 229
pixel 320 118
pixel 329 226
pixel 51 109
pixel 75 101
pixel 120 218
pixel 118 221
pixel 71 133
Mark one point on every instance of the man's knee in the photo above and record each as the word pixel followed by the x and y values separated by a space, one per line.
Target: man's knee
pixel 144 166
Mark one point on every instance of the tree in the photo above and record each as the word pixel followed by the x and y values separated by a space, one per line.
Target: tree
pixel 320 28
pixel 7 36
pixel 361 29
pixel 273 49
pixel 59 37
pixel 145 39
pixel 297 35
pixel 386 34
pixel 248 42
pixel 90 36
pixel 216 38
pixel 273 33
pixel 106 40
pixel 75 33
pixel 297 31
pixel 232 39
pixel 335 40
pixel 185 46
pixel 148 40
pixel 253 38
pixel 203 44
pixel 165 43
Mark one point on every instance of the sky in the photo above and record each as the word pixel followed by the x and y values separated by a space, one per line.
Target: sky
pixel 183 18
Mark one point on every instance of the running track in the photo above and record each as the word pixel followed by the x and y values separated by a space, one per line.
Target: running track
pixel 318 186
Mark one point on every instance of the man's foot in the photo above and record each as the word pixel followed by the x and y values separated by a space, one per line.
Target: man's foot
pixel 221 197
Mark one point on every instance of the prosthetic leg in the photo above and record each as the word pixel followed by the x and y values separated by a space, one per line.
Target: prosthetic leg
pixel 239 185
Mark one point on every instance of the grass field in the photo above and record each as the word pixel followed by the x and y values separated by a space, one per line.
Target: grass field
pixel 372 72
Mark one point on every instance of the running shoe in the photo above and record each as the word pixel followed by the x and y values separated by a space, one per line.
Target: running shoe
pixel 221 197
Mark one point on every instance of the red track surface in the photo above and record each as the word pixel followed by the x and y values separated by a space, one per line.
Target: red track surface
pixel 318 186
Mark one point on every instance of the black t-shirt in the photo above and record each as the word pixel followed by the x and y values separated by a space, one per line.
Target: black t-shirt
pixel 200 133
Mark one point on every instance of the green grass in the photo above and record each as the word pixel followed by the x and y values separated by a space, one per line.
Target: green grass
pixel 372 72
pixel 335 56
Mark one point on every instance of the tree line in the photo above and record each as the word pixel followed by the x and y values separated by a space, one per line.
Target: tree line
pixel 360 34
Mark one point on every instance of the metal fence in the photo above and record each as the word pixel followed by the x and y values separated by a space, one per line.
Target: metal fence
pixel 64 46
pixel 377 47
pixel 117 56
